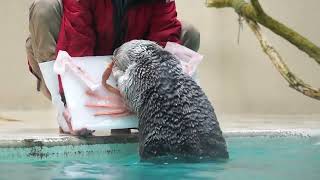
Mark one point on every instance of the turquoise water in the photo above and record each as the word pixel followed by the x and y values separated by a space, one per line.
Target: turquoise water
pixel 262 158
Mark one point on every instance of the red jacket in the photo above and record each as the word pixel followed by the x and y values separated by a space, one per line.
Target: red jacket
pixel 87 25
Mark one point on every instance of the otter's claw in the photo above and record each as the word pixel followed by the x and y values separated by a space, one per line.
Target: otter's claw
pixel 105 77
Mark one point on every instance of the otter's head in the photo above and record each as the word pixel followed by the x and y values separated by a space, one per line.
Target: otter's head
pixel 134 51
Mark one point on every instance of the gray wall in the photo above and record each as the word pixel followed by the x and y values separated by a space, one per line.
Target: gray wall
pixel 237 78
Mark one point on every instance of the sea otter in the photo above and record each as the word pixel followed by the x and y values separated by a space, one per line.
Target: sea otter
pixel 175 116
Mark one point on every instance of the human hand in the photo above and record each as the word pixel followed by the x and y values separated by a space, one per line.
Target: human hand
pixel 84 132
pixel 188 58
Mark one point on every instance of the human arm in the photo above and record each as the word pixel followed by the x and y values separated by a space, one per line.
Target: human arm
pixel 77 35
pixel 164 25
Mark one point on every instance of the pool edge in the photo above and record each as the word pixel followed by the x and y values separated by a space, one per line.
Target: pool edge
pixel 51 141
pixel 58 140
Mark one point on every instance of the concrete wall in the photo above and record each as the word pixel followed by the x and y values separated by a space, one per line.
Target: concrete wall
pixel 237 78
pixel 17 86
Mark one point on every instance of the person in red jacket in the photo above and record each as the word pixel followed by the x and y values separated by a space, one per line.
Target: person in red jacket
pixel 98 27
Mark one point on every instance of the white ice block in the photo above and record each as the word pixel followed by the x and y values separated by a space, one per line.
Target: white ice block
pixel 75 88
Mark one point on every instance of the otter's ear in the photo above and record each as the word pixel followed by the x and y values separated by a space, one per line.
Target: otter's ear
pixel 115 52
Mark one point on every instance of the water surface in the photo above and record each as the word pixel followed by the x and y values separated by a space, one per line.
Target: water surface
pixel 263 158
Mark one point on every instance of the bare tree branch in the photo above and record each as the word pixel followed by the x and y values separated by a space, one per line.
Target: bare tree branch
pixel 278 62
pixel 254 12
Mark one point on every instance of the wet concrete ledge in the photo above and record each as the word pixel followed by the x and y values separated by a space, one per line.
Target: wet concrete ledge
pixel 39 128
pixel 63 140
pixel 43 141
pixel 34 148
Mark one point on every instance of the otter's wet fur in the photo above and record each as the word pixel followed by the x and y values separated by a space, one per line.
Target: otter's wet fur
pixel 176 118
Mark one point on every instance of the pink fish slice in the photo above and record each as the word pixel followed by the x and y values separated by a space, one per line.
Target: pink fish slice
pixel 114 113
pixel 105 77
pixel 99 97
pixel 113 104
pixel 64 60
pixel 100 101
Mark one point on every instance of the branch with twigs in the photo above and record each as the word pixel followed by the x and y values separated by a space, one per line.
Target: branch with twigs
pixel 277 60
pixel 255 15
